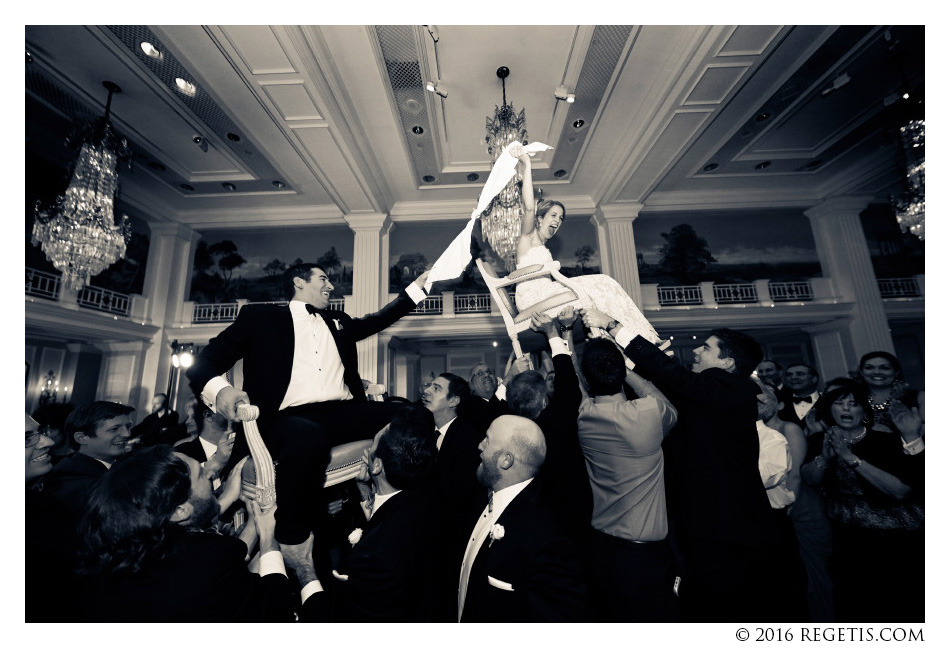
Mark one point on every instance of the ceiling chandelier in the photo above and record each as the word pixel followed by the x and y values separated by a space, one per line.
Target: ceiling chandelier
pixel 909 205
pixel 78 233
pixel 501 221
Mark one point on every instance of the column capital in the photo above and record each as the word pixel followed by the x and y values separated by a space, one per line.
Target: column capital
pixel 839 206
pixel 180 230
pixel 373 222
pixel 617 212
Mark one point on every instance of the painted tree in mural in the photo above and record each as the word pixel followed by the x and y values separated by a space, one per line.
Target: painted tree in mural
pixel 274 270
pixel 329 261
pixel 227 257
pixel 583 255
pixel 408 267
pixel 685 254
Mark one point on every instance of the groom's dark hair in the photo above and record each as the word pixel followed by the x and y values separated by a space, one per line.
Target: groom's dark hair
pixel 302 270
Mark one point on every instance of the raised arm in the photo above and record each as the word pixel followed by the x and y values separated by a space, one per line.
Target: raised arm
pixel 527 188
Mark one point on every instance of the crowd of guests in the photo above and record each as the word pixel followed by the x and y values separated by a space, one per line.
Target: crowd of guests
pixel 728 489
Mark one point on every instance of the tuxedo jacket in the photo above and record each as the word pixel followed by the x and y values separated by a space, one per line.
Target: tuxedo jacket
pixel 202 580
pixel 387 576
pixel 263 336
pixel 713 451
pixel 152 428
pixel 787 412
pixel 532 574
pixel 71 481
pixel 457 461
pixel 481 413
pixel 193 449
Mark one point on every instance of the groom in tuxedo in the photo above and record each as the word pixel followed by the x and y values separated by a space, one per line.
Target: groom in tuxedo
pixel 300 369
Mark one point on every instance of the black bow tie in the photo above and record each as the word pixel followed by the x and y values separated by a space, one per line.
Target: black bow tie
pixel 313 310
pixel 800 399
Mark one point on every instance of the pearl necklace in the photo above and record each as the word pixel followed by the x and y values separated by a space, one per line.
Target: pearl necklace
pixel 851 441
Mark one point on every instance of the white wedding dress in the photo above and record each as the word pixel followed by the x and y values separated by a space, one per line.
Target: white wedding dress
pixel 602 293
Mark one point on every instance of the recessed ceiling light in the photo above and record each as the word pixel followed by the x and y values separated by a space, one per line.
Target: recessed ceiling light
pixel 579 123
pixel 187 187
pixel 418 130
pixel 710 167
pixel 763 165
pixel 472 177
pixel 762 116
pixel 278 184
pixel 560 173
pixel 234 137
pixel 158 166
pixel 151 51
pixel 228 186
pixel 185 87
pixel 428 178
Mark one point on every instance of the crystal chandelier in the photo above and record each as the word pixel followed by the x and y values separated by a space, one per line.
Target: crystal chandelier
pixel 501 221
pixel 909 205
pixel 78 233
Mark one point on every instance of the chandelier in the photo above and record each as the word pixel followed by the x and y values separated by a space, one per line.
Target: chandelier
pixel 501 221
pixel 909 205
pixel 78 233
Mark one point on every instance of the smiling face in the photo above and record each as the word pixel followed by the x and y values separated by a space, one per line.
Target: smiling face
pixel 550 222
pixel 707 356
pixel 316 291
pixel 109 441
pixel 38 461
pixel 204 506
pixel 878 373
pixel 800 380
pixel 483 382
pixel 768 372
pixel 847 413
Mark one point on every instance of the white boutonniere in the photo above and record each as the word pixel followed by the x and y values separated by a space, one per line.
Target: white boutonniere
pixel 339 326
pixel 355 536
pixel 497 533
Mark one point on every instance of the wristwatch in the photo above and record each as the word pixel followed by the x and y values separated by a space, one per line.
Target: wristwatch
pixel 612 325
pixel 857 462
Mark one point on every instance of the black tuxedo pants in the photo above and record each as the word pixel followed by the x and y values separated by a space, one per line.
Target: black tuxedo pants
pixel 299 440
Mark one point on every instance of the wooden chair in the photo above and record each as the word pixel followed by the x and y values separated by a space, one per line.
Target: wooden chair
pixel 517 322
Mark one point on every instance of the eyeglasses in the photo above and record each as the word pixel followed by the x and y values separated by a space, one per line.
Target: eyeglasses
pixel 32 438
pixel 483 373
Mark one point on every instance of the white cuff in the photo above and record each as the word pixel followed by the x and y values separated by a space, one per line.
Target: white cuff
pixel 914 447
pixel 415 293
pixel 312 587
pixel 211 389
pixel 559 346
pixel 272 563
pixel 501 392
pixel 623 336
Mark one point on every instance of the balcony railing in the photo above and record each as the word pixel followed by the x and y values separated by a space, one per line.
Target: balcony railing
pixel 428 306
pixel 104 300
pixel 42 284
pixel 898 288
pixel 679 295
pixel 790 291
pixel 475 303
pixel 743 293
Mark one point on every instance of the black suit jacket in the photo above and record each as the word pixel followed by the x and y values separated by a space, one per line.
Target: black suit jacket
pixel 203 579
pixel 713 450
pixel 539 562
pixel 481 413
pixel 71 481
pixel 263 335
pixel 787 412
pixel 153 428
pixel 193 449
pixel 389 572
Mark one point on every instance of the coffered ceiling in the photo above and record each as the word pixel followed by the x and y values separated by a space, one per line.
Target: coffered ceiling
pixel 314 124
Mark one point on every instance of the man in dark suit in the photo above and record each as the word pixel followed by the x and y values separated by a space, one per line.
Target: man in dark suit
pixel 457 439
pixel 214 444
pixel 800 393
pixel 519 563
pixel 99 432
pixel 484 405
pixel 723 521
pixel 154 428
pixel 387 574
pixel 300 370
pixel 179 574
pixel 770 372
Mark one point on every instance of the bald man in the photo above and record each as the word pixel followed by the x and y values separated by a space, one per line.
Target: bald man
pixel 519 563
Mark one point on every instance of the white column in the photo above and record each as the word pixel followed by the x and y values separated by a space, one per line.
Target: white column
pixel 369 230
pixel 618 251
pixel 844 256
pixel 167 286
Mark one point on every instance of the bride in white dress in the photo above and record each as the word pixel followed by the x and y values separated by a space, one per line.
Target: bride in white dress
pixel 539 224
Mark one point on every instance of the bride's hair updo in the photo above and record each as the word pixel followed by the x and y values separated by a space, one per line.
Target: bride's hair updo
pixel 544 206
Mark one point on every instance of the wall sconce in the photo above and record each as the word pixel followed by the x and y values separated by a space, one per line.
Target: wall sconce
pixel 561 94
pixel 433 86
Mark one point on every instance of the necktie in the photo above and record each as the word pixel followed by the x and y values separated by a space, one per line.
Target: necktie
pixel 800 399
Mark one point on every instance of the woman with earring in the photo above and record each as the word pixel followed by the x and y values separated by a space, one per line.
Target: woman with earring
pixel 874 498
pixel 539 224
pixel 882 373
